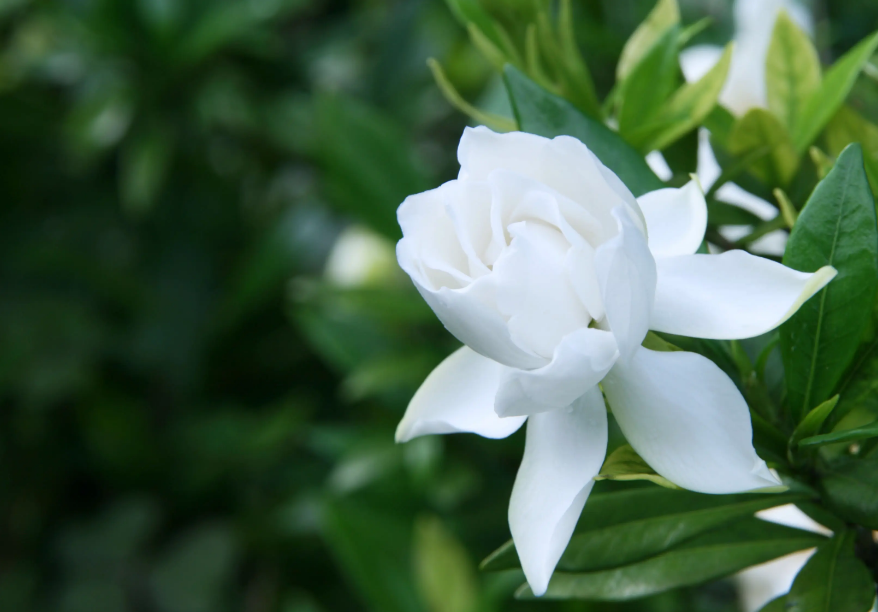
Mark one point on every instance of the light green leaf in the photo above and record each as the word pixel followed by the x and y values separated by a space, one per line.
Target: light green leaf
pixel 649 84
pixel 707 557
pixel 654 342
pixel 687 108
pixel 663 17
pixel 849 126
pixel 471 12
pixel 792 72
pixel 619 528
pixel 445 574
pixel 822 105
pixel 759 129
pixel 848 435
pixel 813 421
pixel 851 488
pixel 625 464
pixel 540 112
pixel 837 227
pixel 833 580
pixel 451 95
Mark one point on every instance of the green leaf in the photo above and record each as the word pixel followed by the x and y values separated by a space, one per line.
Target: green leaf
pixel 373 550
pixel 687 108
pixel 471 12
pixel 837 227
pixel 849 126
pixel 822 105
pixel 445 574
pixel 707 557
pixel 625 464
pixel 620 528
pixel 719 213
pixel 813 421
pixel 848 435
pixel 649 84
pixel 540 112
pixel 759 129
pixel 851 488
pixel 777 604
pixel 792 70
pixel 833 580
pixel 664 16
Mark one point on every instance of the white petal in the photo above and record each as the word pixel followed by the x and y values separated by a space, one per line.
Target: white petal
pixel 687 419
pixel 627 277
pixel 563 453
pixel 581 361
pixel 676 219
pixel 729 296
pixel 458 396
pixel 563 163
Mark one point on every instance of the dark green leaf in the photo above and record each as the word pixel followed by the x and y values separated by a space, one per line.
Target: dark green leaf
pixel 620 528
pixel 833 580
pixel 775 605
pixel 851 487
pixel 837 83
pixel 540 112
pixel 707 557
pixel 837 227
pixel 719 213
pixel 813 421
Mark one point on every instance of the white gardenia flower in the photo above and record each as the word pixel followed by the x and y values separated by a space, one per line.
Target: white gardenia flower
pixel 543 264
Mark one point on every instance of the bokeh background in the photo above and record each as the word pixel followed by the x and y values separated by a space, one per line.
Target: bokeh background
pixel 205 343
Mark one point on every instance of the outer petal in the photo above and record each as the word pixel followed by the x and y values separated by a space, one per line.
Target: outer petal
pixel 626 275
pixel 687 419
pixel 676 219
pixel 563 453
pixel 581 361
pixel 458 396
pixel 728 296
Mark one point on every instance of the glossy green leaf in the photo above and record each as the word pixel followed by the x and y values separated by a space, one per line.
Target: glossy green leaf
pixel 822 105
pixel 851 488
pixel 837 227
pixel 649 84
pixel 445 574
pixel 792 71
pixel 760 129
pixel 540 112
pixel 625 464
pixel 833 580
pixel 664 16
pixel 685 110
pixel 847 435
pixel 813 421
pixel 616 529
pixel 707 557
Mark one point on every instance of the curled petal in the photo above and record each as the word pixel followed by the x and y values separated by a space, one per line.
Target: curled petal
pixel 580 362
pixel 687 419
pixel 626 275
pixel 458 396
pixel 676 219
pixel 729 296
pixel 564 451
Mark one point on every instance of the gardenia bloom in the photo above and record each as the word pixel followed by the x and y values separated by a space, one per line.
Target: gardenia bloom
pixel 543 264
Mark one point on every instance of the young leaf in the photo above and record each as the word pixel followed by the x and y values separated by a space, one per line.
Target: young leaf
pixel 471 12
pixel 848 435
pixel 837 227
pixel 445 575
pixel 540 112
pixel 792 72
pixel 624 464
pixel 616 529
pixel 685 110
pixel 849 126
pixel 649 83
pixel 823 103
pixel 851 486
pixel 833 580
pixel 707 557
pixel 759 129
pixel 663 17
pixel 813 421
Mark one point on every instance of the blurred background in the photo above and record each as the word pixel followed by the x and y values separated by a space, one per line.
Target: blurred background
pixel 205 342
